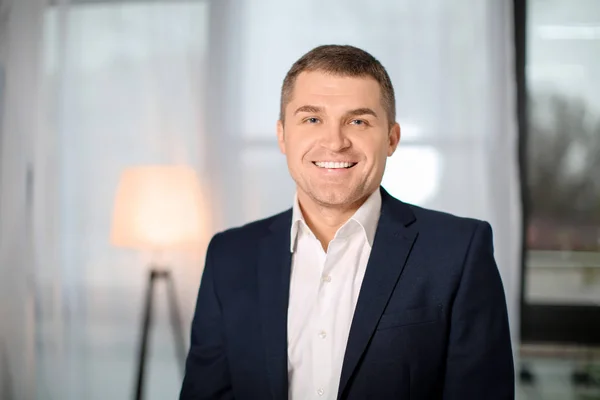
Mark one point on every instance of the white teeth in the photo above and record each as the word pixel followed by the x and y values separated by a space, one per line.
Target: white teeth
pixel 334 165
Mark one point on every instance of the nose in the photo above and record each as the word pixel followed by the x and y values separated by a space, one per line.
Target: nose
pixel 334 139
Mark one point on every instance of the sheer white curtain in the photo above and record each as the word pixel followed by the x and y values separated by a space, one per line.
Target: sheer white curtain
pixel 20 101
pixel 452 67
pixel 125 87
pixel 89 88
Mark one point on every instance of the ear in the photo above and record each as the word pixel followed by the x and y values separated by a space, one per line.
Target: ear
pixel 280 137
pixel 393 139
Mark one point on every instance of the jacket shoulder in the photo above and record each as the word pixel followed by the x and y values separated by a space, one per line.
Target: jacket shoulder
pixel 444 222
pixel 249 234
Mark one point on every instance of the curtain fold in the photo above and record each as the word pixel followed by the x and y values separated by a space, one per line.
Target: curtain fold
pixel 20 72
pixel 503 160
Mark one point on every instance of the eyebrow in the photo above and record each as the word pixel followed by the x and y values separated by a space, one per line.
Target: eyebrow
pixel 361 111
pixel 309 109
pixel 352 113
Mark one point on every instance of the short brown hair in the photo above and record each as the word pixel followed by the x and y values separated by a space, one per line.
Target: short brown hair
pixel 342 61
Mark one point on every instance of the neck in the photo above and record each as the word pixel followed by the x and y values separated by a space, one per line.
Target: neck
pixel 324 221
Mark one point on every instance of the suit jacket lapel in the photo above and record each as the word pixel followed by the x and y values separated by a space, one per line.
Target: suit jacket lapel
pixel 392 244
pixel 274 266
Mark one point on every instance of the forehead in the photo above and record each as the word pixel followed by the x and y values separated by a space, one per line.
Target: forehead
pixel 328 89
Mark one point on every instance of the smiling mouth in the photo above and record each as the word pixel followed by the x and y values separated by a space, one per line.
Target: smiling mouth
pixel 334 165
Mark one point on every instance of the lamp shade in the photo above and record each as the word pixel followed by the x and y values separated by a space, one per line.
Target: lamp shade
pixel 157 208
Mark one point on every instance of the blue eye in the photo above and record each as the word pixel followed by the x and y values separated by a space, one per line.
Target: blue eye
pixel 312 120
pixel 358 122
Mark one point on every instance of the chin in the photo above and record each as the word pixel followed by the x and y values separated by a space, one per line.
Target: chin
pixel 334 197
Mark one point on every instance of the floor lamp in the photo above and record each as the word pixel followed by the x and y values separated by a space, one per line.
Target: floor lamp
pixel 157 209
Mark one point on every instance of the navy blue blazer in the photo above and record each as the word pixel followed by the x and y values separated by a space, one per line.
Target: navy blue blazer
pixel 430 323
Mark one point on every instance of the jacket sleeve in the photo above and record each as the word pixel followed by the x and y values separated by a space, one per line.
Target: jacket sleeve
pixel 206 370
pixel 479 363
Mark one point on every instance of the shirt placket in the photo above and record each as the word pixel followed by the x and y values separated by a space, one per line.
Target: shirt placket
pixel 322 333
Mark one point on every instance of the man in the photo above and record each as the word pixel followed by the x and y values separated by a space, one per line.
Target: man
pixel 351 294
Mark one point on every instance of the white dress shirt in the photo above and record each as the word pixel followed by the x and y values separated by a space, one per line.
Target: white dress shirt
pixel 324 289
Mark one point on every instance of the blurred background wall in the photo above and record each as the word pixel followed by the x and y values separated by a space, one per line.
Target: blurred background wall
pixel 90 87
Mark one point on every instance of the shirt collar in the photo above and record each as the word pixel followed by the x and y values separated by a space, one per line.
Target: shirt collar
pixel 367 217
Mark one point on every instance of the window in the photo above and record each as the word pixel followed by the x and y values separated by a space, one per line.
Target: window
pixel 562 276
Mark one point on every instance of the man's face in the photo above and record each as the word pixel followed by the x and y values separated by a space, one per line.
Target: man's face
pixel 336 138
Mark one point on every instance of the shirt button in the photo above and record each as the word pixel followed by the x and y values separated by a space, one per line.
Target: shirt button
pixel 322 334
pixel 320 392
pixel 327 278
